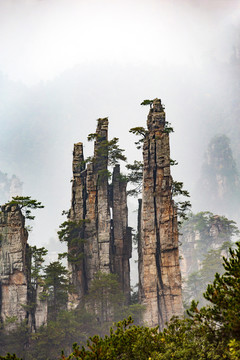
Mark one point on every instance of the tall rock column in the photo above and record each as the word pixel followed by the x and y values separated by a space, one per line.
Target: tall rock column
pixel 106 245
pixel 100 167
pixel 159 277
pixel 121 232
pixel 90 204
pixel 13 264
pixel 97 231
pixel 78 214
pixel 17 295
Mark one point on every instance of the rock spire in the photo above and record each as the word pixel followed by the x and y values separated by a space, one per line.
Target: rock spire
pixel 16 292
pixel 159 271
pixel 102 208
pixel 13 264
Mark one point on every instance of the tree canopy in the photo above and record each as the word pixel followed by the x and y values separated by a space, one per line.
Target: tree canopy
pixel 212 332
pixel 26 204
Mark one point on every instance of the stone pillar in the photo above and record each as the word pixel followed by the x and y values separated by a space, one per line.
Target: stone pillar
pixel 90 203
pixel 78 211
pixel 13 264
pixel 122 237
pixel 97 240
pixel 77 214
pixel 107 240
pixel 100 166
pixel 160 278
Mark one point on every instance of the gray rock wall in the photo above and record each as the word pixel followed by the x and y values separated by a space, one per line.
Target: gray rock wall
pixel 121 232
pixel 159 271
pixel 16 293
pixel 13 272
pixel 103 208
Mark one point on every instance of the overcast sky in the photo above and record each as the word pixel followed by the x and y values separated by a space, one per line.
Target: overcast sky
pixel 64 63
pixel 42 38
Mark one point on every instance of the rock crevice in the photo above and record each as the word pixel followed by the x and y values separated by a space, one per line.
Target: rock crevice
pixel 16 292
pixel 159 271
pixel 103 208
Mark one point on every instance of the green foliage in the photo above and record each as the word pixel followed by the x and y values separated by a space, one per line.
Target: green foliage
pixel 177 189
pixel 71 232
pixel 183 207
pixel 224 294
pixel 147 102
pixel 135 177
pixel 199 280
pixel 48 341
pixel 209 333
pixel 9 357
pixel 56 286
pixel 37 260
pixel 139 131
pixel 106 150
pixel 103 175
pixel 76 325
pixel 105 296
pixel 126 342
pixel 26 204
pixel 69 327
pixel 107 153
pixel 203 222
pixel 15 340
pixel 168 129
pixel 234 349
pixel 107 301
pixel 214 238
pixel 115 154
pixel 173 162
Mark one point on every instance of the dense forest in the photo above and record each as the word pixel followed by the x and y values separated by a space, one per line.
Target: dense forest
pixel 210 332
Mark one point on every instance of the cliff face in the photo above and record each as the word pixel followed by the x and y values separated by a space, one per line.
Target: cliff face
pixel 159 271
pixel 102 208
pixel 13 260
pixel 16 292
pixel 78 213
pixel 121 239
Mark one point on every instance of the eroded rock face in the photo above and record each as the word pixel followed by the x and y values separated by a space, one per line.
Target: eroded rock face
pixel 106 245
pixel 18 299
pixel 121 244
pixel 159 271
pixel 78 213
pixel 41 311
pixel 13 259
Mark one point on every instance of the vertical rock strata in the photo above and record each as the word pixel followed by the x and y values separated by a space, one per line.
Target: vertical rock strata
pixel 101 203
pixel 103 209
pixel 159 271
pixel 121 233
pixel 13 264
pixel 16 292
pixel 77 214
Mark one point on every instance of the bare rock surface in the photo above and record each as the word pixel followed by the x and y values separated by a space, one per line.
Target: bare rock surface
pixel 159 271
pixel 13 269
pixel 102 207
